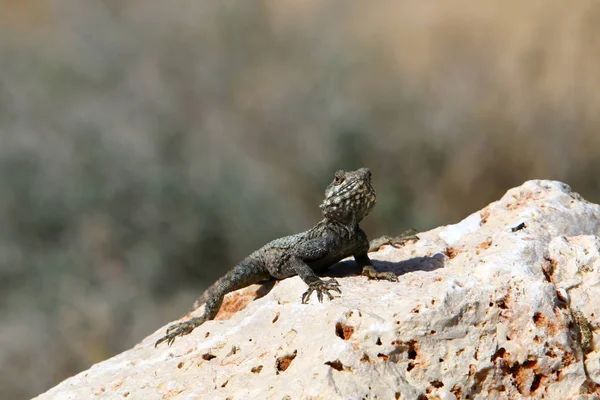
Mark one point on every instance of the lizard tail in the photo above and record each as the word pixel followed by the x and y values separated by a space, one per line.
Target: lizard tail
pixel 240 276
pixel 201 300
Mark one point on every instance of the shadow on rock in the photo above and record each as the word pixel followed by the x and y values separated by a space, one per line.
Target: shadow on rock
pixel 350 268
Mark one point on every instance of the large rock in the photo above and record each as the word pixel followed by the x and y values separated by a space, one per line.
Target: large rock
pixel 500 305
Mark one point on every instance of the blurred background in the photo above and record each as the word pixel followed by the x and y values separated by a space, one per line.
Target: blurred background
pixel 148 146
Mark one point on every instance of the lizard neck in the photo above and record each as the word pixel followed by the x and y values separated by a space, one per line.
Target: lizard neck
pixel 340 228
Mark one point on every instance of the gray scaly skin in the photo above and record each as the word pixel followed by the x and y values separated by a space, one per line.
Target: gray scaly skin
pixel 348 199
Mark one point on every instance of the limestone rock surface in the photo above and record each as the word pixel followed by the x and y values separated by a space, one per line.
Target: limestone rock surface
pixel 503 305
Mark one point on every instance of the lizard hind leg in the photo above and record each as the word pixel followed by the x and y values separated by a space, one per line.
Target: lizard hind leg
pixel 396 241
pixel 180 329
pixel 213 304
pixel 239 277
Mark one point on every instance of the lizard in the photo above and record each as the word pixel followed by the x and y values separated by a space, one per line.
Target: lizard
pixel 348 199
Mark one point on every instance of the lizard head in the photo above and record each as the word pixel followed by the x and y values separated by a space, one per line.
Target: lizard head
pixel 350 197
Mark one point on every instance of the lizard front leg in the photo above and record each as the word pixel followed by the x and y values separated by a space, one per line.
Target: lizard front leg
pixel 320 286
pixel 315 284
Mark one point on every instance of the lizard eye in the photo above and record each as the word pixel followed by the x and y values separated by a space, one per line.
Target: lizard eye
pixel 339 177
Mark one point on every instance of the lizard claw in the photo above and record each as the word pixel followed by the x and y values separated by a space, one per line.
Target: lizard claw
pixel 321 287
pixel 179 329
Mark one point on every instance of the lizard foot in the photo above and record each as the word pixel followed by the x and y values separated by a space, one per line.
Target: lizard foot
pixel 321 287
pixel 372 273
pixel 179 329
pixel 397 241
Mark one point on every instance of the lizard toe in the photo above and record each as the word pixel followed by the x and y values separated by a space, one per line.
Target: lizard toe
pixel 322 287
pixel 179 329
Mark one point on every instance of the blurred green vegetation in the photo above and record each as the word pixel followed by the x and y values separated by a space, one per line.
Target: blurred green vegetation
pixel 147 146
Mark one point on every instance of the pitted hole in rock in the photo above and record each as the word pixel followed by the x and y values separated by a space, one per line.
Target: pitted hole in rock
pixel 344 331
pixel 208 356
pixel 539 320
pixel 338 366
pixel 589 387
pixel 524 376
pixel 456 391
pixel 378 342
pixel 257 370
pixel 180 365
pixel 275 318
pixel 551 353
pixel 535 384
pixel 413 345
pixel 436 383
pixel 365 358
pixel 479 377
pixel 403 349
pixel 485 244
pixel 498 354
pixel 283 363
pixel 451 252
